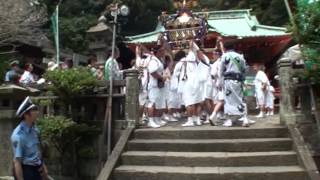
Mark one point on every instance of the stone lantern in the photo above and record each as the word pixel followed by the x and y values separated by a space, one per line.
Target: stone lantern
pixel 10 98
pixel 100 37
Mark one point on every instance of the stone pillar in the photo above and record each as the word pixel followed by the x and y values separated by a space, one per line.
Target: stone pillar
pixel 132 98
pixel 286 88
pixel 305 101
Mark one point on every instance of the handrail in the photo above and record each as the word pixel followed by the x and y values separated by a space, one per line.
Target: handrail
pixel 303 153
pixel 113 159
pixel 313 101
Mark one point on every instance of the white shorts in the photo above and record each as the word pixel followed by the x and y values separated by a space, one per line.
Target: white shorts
pixel 143 98
pixel 156 98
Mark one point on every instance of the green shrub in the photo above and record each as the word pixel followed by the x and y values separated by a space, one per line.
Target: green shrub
pixel 61 132
pixel 71 83
pixel 65 136
pixel 57 131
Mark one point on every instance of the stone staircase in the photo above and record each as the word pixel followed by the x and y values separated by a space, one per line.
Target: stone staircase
pixel 207 153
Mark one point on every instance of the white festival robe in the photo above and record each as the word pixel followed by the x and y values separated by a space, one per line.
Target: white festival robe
pixel 189 83
pixel 261 95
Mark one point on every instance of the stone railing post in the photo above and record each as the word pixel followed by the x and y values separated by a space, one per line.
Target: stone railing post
pixel 305 101
pixel 286 88
pixel 304 119
pixel 132 97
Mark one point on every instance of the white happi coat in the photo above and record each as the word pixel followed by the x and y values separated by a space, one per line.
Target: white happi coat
pixel 260 79
pixel 142 65
pixel 176 86
pixel 217 93
pixel 189 83
pixel 155 94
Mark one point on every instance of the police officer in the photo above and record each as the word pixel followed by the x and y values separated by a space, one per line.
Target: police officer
pixel 28 164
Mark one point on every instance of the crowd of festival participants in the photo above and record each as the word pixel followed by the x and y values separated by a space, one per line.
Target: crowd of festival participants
pixel 204 91
pixel 186 85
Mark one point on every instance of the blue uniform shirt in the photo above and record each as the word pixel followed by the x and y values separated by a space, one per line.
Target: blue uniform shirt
pixel 26 144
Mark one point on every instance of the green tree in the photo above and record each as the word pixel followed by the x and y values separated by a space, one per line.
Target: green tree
pixel 307 33
pixel 78 15
pixel 73 31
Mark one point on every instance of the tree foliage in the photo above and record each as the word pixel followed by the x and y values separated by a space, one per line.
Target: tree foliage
pixel 307 33
pixel 73 31
pixel 21 20
pixel 78 15
pixel 271 12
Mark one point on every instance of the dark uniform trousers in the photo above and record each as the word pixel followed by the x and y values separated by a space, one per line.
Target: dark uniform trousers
pixel 31 172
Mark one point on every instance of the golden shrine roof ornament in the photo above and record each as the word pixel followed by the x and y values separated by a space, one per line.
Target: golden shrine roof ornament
pixel 178 4
pixel 183 27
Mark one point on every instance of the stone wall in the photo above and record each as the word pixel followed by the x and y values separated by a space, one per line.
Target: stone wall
pixel 299 106
pixel 6 127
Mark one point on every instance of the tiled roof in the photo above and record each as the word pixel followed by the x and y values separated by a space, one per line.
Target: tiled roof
pixel 147 37
pixel 239 23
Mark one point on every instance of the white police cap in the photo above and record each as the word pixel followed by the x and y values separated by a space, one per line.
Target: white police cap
pixel 25 106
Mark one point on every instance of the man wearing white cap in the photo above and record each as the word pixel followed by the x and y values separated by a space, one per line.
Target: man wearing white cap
pixel 155 85
pixel 13 75
pixel 28 164
pixel 52 66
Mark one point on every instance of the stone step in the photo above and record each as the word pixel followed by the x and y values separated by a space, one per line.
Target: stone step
pixel 207 132
pixel 215 145
pixel 209 159
pixel 209 173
